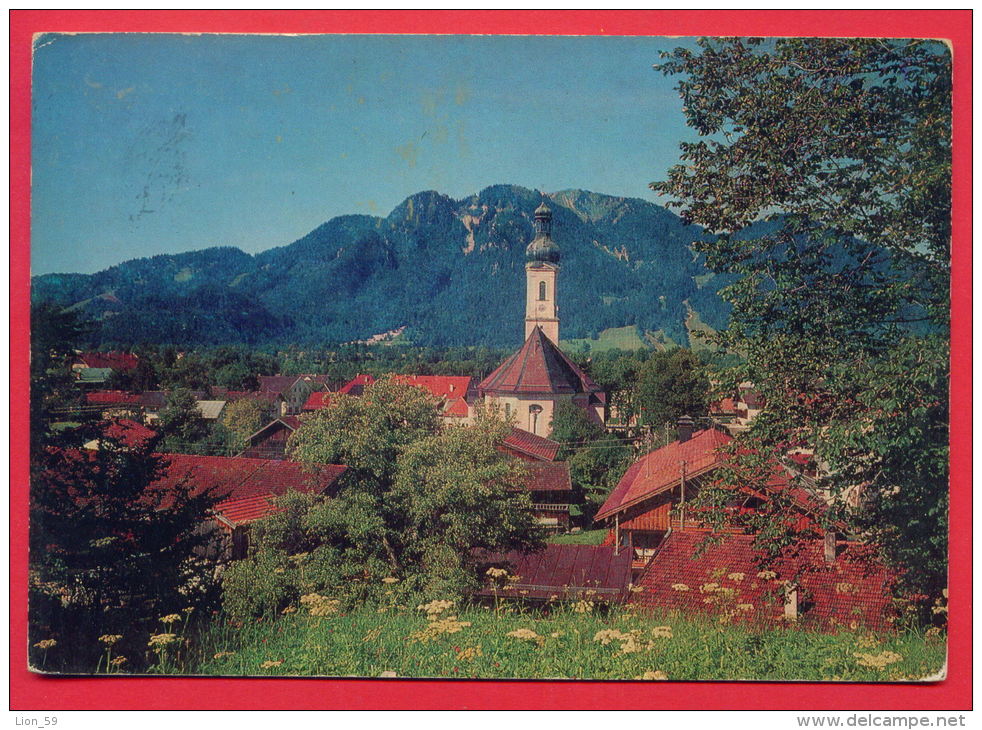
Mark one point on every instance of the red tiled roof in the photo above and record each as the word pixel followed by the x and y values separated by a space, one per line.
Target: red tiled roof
pixel 277 383
pixel 114 360
pixel 234 478
pixel 442 386
pixel 661 469
pixel 545 476
pixel 539 367
pixel 317 400
pixel 451 390
pixel 357 385
pixel 564 571
pixel 726 405
pixel 457 408
pixel 129 432
pixel 265 396
pixel 526 443
pixel 853 590
pixel 248 509
pixel 112 396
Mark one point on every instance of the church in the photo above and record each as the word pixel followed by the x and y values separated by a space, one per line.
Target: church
pixel 529 385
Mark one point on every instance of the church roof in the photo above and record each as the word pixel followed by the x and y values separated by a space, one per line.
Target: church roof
pixel 539 367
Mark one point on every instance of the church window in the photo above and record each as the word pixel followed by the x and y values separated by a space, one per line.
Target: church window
pixel 542 291
pixel 534 411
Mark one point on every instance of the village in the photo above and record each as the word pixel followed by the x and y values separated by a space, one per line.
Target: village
pixel 652 552
pixel 283 424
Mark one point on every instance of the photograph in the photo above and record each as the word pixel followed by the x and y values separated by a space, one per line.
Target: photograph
pixel 490 357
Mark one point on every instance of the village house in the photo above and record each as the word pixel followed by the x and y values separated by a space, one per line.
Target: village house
pixel 294 389
pixel 821 581
pixel 595 574
pixel 529 385
pixel 322 399
pixel 246 490
pixel 269 442
pixel 273 403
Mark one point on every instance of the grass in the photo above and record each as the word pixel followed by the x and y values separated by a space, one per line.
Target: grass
pixel 587 537
pixel 621 338
pixel 481 642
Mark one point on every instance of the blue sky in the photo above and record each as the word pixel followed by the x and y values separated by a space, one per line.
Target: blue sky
pixel 146 144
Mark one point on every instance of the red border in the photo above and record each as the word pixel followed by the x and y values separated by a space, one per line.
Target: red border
pixel 29 691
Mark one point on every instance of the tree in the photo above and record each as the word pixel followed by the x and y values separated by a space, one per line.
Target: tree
pixel 54 333
pixel 241 419
pixel 836 153
pixel 671 384
pixel 109 551
pixel 595 469
pixel 181 422
pixel 571 427
pixel 415 502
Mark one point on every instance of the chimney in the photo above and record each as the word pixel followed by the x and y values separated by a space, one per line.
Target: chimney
pixel 830 539
pixel 685 426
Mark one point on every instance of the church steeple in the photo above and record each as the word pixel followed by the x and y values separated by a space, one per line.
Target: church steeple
pixel 541 269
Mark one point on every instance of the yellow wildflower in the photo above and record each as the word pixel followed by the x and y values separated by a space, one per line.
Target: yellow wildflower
pixel 658 674
pixel 318 605
pixel 635 589
pixel 435 608
pixel 496 572
pixel 709 587
pixel 767 574
pixel 438 627
pixel 158 641
pixel 737 577
pixel 46 644
pixel 118 661
pixel 608 635
pixel 170 618
pixel 470 653
pixel 745 607
pixel 877 661
pixel 110 639
pixel 679 587
pixel 527 635
pixel 390 580
pixel 289 610
pixel 662 632
pixel 223 654
pixel 270 664
pixel 583 606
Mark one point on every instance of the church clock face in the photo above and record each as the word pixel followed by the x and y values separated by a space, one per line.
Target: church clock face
pixel 541 308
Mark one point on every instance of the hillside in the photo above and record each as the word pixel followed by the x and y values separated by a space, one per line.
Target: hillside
pixel 449 271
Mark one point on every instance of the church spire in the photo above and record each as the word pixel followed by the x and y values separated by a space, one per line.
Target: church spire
pixel 541 270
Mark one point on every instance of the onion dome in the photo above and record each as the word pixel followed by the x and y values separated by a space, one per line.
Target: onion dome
pixel 542 248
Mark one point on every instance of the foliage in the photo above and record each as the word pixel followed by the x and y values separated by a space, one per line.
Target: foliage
pixel 572 427
pixel 108 551
pixel 595 470
pixel 242 418
pixel 553 642
pixel 840 304
pixel 54 333
pixel 414 503
pixel 181 422
pixel 670 385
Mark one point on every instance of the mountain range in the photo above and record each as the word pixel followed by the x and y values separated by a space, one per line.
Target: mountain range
pixel 440 271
